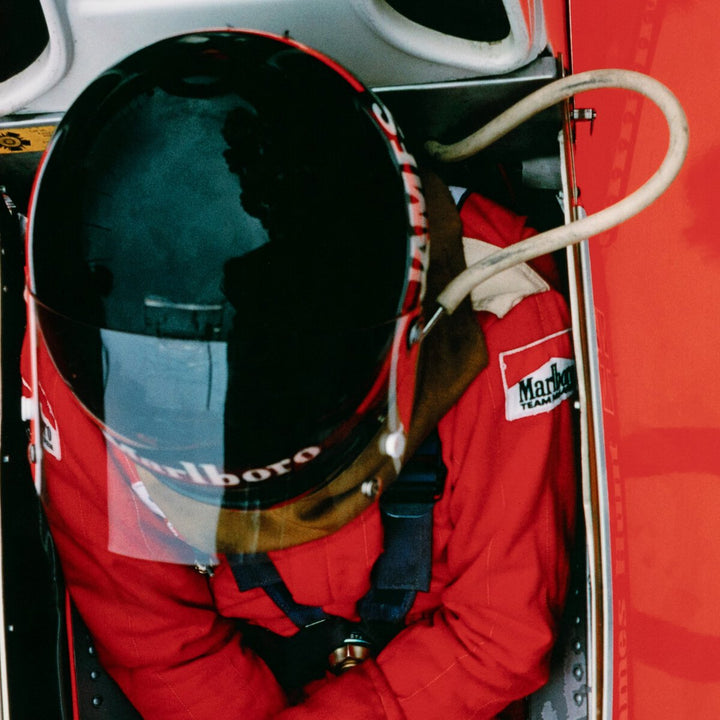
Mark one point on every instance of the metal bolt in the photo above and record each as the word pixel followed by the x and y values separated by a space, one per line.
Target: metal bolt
pixel 94 674
pixel 578 672
pixel 415 333
pixel 370 488
pixel 584 114
pixel 204 568
pixel 97 701
pixel 578 698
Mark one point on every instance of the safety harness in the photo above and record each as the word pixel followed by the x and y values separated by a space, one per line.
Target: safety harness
pixel 403 568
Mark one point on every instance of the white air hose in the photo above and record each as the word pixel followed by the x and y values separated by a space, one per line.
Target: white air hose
pixel 557 238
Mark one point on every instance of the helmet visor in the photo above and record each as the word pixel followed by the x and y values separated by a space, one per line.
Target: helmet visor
pixel 247 422
pixel 195 443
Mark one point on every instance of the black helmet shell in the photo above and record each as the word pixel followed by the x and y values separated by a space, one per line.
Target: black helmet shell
pixel 222 243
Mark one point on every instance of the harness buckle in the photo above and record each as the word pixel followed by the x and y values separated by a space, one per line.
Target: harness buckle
pixel 354 650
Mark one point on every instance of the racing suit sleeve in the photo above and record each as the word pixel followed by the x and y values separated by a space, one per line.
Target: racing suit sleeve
pixel 503 528
pixel 154 633
pixel 154 624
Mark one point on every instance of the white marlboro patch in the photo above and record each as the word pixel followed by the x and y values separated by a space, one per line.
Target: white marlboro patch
pixel 538 377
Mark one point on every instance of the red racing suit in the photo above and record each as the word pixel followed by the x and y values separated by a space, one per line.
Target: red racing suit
pixel 479 639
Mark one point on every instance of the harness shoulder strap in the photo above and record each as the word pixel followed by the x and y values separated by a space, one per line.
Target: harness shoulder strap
pixel 403 568
pixel 407 510
pixel 405 564
pixel 258 570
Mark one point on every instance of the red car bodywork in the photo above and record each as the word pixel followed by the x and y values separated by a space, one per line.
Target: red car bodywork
pixel 655 284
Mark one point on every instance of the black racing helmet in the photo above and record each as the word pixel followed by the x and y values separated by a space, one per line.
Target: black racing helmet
pixel 226 258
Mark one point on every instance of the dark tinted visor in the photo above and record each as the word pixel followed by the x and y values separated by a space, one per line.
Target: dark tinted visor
pixel 243 422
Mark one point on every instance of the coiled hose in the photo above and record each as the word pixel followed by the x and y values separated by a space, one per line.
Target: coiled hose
pixel 557 238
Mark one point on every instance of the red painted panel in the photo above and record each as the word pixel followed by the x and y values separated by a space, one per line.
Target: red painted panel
pixel 657 289
pixel 555 12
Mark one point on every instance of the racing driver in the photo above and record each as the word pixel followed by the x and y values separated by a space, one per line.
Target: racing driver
pixel 272 492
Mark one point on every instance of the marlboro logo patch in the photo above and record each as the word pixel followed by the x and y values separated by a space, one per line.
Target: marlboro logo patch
pixel 538 377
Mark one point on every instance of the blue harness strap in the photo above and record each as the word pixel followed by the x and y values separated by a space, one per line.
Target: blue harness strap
pixel 258 570
pixel 405 565
pixel 403 568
